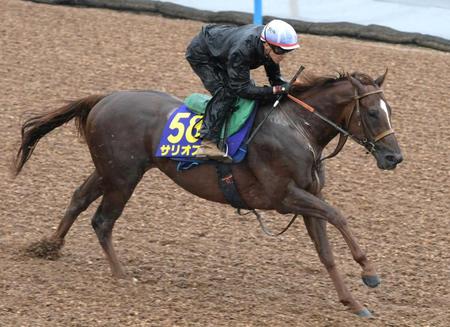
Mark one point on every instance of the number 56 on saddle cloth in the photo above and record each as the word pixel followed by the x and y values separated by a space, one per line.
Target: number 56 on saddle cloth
pixel 179 140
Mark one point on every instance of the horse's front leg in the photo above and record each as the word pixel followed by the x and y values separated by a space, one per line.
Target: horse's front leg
pixel 301 202
pixel 318 233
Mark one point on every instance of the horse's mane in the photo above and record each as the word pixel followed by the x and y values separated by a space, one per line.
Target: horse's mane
pixel 310 81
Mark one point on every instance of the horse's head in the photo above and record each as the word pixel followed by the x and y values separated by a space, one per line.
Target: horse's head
pixel 370 121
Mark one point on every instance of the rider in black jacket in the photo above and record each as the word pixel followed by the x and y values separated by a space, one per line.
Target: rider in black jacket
pixel 222 56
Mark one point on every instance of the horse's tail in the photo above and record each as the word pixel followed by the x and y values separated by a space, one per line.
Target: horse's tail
pixel 38 126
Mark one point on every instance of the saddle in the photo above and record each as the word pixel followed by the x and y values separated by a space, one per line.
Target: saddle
pixel 180 138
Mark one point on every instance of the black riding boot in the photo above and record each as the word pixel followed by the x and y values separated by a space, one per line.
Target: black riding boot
pixel 217 110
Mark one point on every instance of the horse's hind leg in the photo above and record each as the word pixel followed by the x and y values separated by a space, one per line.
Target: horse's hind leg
pixel 83 196
pixel 318 233
pixel 114 200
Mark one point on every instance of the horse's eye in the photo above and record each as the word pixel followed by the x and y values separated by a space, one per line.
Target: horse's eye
pixel 373 113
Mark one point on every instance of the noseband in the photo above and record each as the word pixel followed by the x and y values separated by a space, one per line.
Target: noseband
pixel 365 142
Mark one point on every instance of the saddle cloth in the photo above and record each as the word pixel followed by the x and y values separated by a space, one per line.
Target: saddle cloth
pixel 196 102
pixel 179 140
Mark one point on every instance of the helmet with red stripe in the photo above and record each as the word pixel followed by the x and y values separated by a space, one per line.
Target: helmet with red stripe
pixel 280 34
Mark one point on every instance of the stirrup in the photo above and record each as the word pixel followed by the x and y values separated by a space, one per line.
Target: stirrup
pixel 226 158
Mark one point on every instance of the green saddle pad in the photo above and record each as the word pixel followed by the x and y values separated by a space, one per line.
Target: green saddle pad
pixel 197 102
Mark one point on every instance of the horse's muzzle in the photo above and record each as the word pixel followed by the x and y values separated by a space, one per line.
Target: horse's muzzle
pixel 390 161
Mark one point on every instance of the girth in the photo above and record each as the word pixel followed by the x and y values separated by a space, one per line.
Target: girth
pixel 228 187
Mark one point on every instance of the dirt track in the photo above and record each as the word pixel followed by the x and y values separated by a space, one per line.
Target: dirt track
pixel 194 262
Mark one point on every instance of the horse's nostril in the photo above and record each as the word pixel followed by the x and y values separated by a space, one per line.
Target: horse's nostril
pixel 394 158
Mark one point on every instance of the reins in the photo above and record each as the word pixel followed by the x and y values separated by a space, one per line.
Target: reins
pixel 275 104
pixel 263 226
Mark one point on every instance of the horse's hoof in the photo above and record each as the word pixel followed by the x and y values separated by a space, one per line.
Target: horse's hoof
pixel 46 248
pixel 364 313
pixel 371 281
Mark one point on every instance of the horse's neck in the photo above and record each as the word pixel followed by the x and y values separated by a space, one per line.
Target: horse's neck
pixel 329 103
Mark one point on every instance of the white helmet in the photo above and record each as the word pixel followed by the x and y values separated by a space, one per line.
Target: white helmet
pixel 280 34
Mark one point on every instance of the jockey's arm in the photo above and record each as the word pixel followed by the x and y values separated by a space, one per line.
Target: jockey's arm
pixel 273 74
pixel 239 80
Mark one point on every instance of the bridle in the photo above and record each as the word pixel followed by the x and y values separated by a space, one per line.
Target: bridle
pixel 366 142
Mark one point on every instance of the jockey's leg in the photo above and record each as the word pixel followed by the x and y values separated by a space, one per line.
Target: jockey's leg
pixel 215 116
pixel 221 103
pixel 216 113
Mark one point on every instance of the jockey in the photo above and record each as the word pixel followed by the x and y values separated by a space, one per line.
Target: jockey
pixel 222 56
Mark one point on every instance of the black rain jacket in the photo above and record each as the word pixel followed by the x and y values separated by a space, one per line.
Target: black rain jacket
pixel 235 51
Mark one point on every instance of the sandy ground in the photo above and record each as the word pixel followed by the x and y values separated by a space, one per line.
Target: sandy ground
pixel 196 263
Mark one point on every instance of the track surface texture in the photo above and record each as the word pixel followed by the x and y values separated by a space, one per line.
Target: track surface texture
pixel 196 263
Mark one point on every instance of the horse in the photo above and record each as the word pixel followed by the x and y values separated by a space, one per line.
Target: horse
pixel 283 169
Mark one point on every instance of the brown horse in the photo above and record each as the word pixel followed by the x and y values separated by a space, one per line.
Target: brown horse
pixel 282 171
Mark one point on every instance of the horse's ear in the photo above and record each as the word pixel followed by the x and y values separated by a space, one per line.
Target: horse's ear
pixel 380 80
pixel 356 83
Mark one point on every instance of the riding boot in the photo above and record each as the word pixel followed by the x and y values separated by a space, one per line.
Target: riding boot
pixel 209 149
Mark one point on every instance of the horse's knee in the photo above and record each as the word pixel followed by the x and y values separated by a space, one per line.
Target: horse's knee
pixel 338 221
pixel 328 265
pixel 327 260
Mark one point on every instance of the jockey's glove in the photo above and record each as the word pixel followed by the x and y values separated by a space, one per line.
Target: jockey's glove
pixel 281 89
